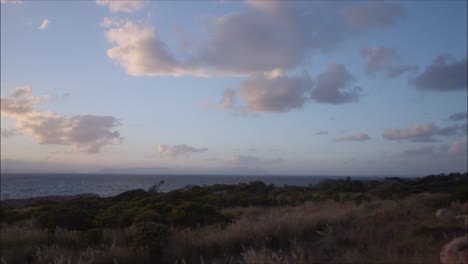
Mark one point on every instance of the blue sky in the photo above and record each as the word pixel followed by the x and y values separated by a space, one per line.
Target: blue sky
pixel 234 87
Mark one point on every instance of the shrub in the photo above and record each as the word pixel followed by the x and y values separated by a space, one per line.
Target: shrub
pixel 148 216
pixel 152 238
pixel 191 214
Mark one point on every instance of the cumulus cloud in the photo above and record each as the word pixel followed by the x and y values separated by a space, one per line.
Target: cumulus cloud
pixel 354 137
pixel 178 150
pixel 8 132
pixel 139 50
pixel 252 161
pixel 378 58
pixel 277 93
pixel 228 99
pixel 443 76
pixel 334 86
pixel 124 6
pixel 373 14
pixel 44 24
pixel 420 132
pixel 395 71
pixel 424 132
pixel 266 36
pixel 84 133
pixel 458 116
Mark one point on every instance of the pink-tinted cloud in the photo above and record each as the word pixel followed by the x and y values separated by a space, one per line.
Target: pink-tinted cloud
pixel 416 132
pixel 84 133
pixel 354 137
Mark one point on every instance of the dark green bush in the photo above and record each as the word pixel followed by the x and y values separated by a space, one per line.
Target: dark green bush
pixel 152 238
pixel 148 216
pixel 191 214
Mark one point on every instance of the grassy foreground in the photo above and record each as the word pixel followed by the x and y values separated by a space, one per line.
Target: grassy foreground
pixel 345 221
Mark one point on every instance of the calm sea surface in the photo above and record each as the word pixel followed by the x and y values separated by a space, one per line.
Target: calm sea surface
pixel 31 185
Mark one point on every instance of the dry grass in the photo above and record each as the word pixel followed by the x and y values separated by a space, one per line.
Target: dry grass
pixel 326 232
pixel 381 231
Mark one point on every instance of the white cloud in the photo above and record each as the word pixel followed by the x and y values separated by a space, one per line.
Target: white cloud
pixel 139 50
pixel 124 6
pixel 84 133
pixel 44 24
pixel 178 150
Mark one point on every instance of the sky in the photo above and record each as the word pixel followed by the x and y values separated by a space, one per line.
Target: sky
pixel 234 87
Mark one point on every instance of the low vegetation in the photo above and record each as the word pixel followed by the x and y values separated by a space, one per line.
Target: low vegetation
pixel 336 221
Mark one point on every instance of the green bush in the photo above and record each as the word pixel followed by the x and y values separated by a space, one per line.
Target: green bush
pixel 152 238
pixel 148 216
pixel 121 214
pixel 191 214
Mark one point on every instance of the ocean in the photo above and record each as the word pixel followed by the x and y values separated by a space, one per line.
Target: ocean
pixel 15 186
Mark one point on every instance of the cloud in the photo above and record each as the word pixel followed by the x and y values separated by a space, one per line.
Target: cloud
pixel 458 116
pixel 334 86
pixel 458 148
pixel 252 161
pixel 266 36
pixel 378 58
pixel 354 137
pixel 21 102
pixel 44 24
pixel 453 130
pixel 264 93
pixel 116 6
pixel 442 76
pixel 395 71
pixel 415 133
pixel 84 133
pixel 228 99
pixel 8 132
pixel 178 150
pixel 374 14
pixel 321 133
pixel 10 2
pixel 140 51
pixel 424 132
